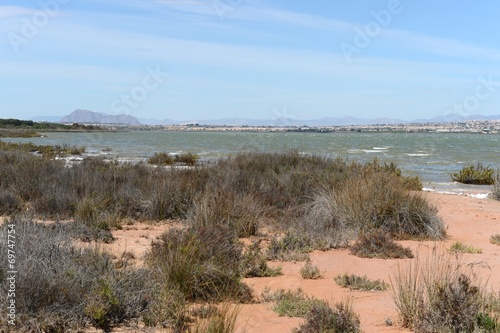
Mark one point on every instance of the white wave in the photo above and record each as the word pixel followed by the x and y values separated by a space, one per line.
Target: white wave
pixel 478 195
pixel 380 148
pixel 372 151
pixel 418 154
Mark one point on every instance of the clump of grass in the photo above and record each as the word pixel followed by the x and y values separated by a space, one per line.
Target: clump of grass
pixel 290 303
pixel 310 271
pixel 161 159
pixel 355 282
pixel 437 293
pixel 202 262
pixel 475 174
pixel 378 244
pixel 187 158
pixel 254 263
pixel 223 320
pixel 459 247
pixel 293 246
pixel 495 239
pixel 324 318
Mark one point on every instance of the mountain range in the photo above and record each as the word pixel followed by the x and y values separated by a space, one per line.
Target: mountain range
pixel 87 116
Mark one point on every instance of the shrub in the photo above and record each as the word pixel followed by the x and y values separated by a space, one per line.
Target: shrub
pixel 60 287
pixel 187 158
pixel 323 318
pixel 355 282
pixel 222 321
pixel 310 271
pixel 459 247
pixel 438 294
pixel 254 263
pixel 477 175
pixel 293 246
pixel 202 262
pixel 161 159
pixel 290 303
pixel 378 244
pixel 495 239
pixel 238 212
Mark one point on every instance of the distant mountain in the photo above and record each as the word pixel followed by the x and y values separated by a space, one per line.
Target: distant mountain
pixel 455 117
pixel 90 117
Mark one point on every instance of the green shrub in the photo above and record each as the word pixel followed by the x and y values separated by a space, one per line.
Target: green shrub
pixel 477 175
pixel 460 247
pixel 310 271
pixel 187 158
pixel 254 263
pixel 378 244
pixel 293 246
pixel 355 282
pixel 324 318
pixel 161 159
pixel 290 303
pixel 202 262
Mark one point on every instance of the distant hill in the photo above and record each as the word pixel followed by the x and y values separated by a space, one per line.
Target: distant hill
pixel 90 117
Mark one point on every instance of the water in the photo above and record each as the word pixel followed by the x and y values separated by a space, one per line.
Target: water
pixel 431 156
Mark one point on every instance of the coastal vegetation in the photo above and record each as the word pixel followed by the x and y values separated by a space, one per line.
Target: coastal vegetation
pixel 355 282
pixel 475 174
pixel 495 193
pixel 297 203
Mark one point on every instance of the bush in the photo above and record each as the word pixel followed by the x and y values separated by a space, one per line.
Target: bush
pixel 290 303
pixel 323 318
pixel 161 159
pixel 495 239
pixel 438 294
pixel 60 287
pixel 293 246
pixel 222 321
pixel 459 247
pixel 310 271
pixel 477 175
pixel 187 158
pixel 254 263
pixel 378 244
pixel 202 262
pixel 355 282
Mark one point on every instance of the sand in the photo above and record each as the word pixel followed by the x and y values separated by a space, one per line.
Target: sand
pixel 469 220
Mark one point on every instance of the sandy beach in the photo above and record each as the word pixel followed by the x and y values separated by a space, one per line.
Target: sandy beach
pixel 469 220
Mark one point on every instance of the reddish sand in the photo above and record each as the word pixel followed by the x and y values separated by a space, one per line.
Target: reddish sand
pixel 469 220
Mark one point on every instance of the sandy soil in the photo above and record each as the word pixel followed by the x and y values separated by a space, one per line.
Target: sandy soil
pixel 469 220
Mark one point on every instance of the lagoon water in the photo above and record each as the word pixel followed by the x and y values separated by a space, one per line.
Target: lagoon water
pixel 431 156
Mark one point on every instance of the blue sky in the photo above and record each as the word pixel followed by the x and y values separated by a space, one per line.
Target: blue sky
pixel 207 59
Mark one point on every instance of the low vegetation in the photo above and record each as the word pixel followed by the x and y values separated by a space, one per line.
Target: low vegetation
pixel 310 271
pixel 355 282
pixel 290 303
pixel 305 202
pixel 324 318
pixel 378 244
pixel 495 239
pixel 169 159
pixel 495 192
pixel 437 293
pixel 459 247
pixel 475 174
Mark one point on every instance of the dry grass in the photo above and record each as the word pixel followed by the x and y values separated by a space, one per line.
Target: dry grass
pixel 437 293
pixel 310 271
pixel 355 282
pixel 378 244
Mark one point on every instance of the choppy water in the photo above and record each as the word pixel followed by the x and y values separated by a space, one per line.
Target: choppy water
pixel 431 156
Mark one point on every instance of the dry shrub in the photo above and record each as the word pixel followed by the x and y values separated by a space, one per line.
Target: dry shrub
pixel 223 320
pixel 378 244
pixel 61 288
pixel 202 262
pixel 437 293
pixel 324 318
pixel 254 263
pixel 310 271
pixel 239 212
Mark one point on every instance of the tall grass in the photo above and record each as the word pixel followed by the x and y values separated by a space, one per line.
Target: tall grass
pixel 437 293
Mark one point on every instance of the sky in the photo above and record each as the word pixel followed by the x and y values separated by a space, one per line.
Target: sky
pixel 211 59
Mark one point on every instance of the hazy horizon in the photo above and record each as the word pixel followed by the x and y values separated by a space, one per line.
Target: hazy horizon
pixel 212 59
